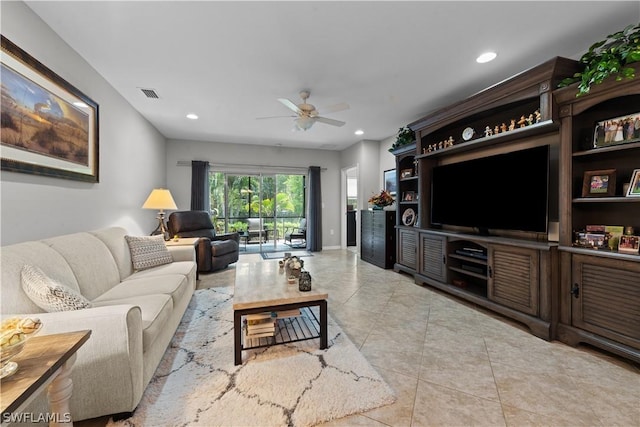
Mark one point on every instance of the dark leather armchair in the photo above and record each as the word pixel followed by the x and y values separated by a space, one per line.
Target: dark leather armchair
pixel 298 234
pixel 215 251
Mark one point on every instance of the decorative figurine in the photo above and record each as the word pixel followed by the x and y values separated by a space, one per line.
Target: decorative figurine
pixel 538 116
pixel 488 131
pixel 503 127
pixel 530 120
pixel 496 130
pixel 522 121
pixel 512 125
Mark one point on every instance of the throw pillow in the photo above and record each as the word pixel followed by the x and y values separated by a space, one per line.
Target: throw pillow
pixel 148 251
pixel 49 294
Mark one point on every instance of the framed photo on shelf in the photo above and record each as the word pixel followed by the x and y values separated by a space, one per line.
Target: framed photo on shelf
pixel 409 217
pixel 409 196
pixel 634 185
pixel 49 127
pixel 406 173
pixel 629 244
pixel 390 181
pixel 617 130
pixel 600 183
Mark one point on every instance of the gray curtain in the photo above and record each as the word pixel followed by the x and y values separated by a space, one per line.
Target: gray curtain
pixel 200 186
pixel 314 218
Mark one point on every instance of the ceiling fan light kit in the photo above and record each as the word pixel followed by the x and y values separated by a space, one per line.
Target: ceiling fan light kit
pixel 307 115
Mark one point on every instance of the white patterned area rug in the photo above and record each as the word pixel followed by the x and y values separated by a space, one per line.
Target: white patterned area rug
pixel 295 384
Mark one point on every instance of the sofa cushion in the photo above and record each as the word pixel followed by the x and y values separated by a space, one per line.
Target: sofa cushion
pixel 48 294
pixel 91 261
pixel 223 247
pixel 174 285
pixel 185 268
pixel 13 299
pixel 113 238
pixel 156 310
pixel 148 251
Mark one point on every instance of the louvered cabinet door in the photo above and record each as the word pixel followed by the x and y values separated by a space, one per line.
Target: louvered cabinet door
pixel 514 277
pixel 432 257
pixel 407 248
pixel 606 298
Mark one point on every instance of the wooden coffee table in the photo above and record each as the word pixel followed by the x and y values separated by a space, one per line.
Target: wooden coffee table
pixel 262 287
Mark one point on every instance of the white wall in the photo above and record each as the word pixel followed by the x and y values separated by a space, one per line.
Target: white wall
pixel 248 159
pixel 387 160
pixel 365 154
pixel 132 153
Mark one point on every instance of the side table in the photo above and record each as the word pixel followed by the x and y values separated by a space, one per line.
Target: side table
pixel 187 241
pixel 45 361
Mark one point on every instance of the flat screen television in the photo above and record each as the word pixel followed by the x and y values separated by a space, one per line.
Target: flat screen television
pixel 500 192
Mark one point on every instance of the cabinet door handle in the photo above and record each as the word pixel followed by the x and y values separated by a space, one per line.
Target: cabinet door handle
pixel 490 272
pixel 444 259
pixel 575 291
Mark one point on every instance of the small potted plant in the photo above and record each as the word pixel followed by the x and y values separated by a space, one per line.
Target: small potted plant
pixel 405 137
pixel 609 57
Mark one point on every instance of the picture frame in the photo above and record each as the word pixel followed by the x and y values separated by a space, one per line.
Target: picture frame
pixel 409 196
pixel 599 183
pixel 629 244
pixel 409 217
pixel 634 184
pixel 406 173
pixel 49 127
pixel 390 181
pixel 617 130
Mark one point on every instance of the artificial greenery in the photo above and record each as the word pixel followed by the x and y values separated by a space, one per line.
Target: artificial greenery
pixel 609 57
pixel 405 137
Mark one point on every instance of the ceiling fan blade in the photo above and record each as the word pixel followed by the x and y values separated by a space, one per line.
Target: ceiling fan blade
pixel 334 108
pixel 327 121
pixel 274 117
pixel 290 105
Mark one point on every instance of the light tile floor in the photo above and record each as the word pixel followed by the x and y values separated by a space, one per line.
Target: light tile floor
pixel 452 364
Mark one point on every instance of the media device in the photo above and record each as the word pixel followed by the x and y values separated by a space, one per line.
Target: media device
pixel 500 192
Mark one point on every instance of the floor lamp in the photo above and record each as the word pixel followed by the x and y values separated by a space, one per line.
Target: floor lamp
pixel 160 198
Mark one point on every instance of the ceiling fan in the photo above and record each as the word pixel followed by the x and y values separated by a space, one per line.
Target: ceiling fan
pixel 307 115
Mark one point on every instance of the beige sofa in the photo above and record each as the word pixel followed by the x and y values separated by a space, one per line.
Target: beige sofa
pixel 132 318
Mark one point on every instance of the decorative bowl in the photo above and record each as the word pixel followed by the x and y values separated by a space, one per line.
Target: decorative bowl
pixel 8 352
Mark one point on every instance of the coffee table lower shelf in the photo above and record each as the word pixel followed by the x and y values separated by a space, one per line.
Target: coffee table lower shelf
pixel 288 330
pixel 309 325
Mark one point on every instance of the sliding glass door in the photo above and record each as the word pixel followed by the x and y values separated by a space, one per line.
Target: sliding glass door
pixel 261 207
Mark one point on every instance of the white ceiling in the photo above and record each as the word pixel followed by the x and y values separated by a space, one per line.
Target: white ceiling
pixel 392 62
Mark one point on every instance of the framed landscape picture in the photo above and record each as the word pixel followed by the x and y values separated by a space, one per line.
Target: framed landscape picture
pixel 390 181
pixel 600 183
pixel 49 127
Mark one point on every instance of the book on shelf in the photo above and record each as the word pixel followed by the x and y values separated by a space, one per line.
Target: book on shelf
pixel 288 313
pixel 258 335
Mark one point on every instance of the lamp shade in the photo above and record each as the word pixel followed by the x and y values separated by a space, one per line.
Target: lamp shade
pixel 160 198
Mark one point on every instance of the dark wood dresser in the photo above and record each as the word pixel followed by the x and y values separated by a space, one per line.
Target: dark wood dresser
pixel 377 237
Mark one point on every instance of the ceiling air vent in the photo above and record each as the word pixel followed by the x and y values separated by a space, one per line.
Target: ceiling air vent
pixel 150 93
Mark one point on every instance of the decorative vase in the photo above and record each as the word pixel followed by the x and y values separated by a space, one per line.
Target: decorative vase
pixel 304 281
pixel 377 207
pixel 295 272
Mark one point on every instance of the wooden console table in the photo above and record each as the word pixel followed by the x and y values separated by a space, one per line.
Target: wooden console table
pixel 45 361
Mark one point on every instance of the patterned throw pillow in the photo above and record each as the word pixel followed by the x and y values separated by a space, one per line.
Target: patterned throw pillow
pixel 148 251
pixel 48 294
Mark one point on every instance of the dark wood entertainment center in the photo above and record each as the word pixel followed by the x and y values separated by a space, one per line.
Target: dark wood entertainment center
pixel 529 276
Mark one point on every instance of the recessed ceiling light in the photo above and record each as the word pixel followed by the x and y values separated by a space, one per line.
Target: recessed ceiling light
pixel 486 57
pixel 80 104
pixel 359 132
pixel 192 116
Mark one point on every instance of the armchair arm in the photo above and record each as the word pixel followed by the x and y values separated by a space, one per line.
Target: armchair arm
pixel 228 236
